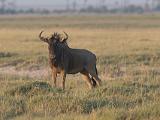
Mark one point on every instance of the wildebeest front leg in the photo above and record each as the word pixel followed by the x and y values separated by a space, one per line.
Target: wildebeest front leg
pixel 54 78
pixel 63 76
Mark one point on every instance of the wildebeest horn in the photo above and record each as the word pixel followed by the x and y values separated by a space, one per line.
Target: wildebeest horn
pixel 66 38
pixel 42 38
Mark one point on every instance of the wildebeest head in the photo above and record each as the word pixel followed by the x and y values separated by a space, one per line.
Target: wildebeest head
pixel 53 41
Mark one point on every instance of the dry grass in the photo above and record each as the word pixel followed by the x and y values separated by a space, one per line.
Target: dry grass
pixel 127 48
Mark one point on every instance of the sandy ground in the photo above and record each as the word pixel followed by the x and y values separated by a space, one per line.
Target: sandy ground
pixel 11 70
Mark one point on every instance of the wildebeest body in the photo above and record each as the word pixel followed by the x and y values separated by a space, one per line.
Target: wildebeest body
pixel 78 60
pixel 65 60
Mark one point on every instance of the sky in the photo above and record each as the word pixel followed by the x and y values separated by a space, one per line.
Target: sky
pixel 64 1
pixel 54 4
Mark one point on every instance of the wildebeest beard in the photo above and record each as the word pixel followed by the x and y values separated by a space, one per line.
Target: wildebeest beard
pixel 60 53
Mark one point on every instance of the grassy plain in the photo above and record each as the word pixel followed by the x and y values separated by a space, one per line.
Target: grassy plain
pixel 128 53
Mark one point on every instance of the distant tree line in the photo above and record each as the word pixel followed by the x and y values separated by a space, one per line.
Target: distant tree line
pixel 128 9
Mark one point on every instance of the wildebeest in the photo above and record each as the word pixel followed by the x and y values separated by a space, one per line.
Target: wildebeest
pixel 65 60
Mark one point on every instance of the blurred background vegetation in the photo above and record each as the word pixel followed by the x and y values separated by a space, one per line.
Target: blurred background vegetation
pixel 79 6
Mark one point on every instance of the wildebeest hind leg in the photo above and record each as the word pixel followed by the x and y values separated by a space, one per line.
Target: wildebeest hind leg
pixel 87 78
pixel 94 74
pixel 93 82
pixel 96 78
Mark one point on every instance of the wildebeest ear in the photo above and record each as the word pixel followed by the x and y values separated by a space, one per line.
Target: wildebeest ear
pixel 43 38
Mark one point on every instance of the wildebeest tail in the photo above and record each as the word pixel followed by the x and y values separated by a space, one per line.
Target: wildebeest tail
pixel 96 70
